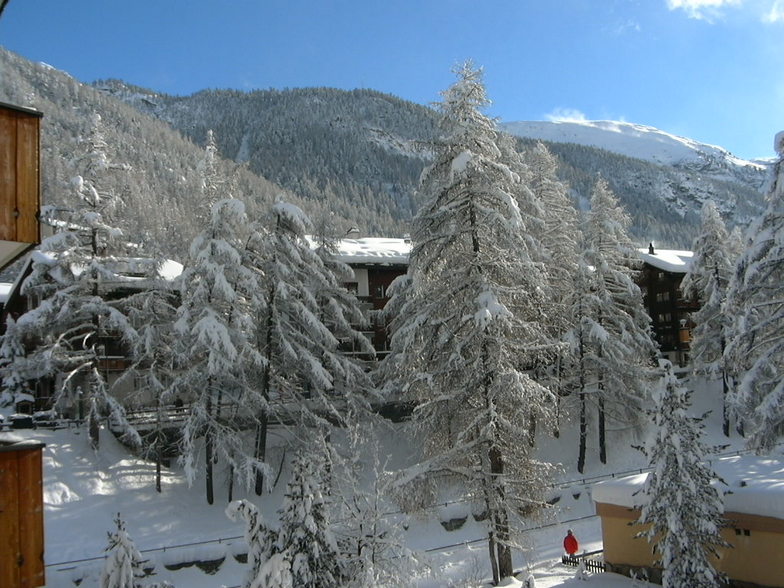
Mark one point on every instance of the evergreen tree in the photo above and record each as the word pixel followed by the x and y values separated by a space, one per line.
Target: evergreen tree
pixel 217 351
pixel 682 508
pixel 370 541
pixel 756 348
pixel 561 242
pixel 708 281
pixel 623 347
pixel 304 377
pixel 123 566
pixel 153 311
pixel 305 536
pixel 260 538
pixel 473 325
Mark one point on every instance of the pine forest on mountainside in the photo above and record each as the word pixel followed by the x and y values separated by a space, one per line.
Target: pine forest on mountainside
pixel 355 156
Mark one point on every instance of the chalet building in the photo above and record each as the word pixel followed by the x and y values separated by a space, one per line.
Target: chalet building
pixel 753 498
pixel 20 181
pixel 660 281
pixel 376 262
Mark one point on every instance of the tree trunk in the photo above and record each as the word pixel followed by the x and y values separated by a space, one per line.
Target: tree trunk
pixel 261 429
pixel 208 448
pixel 602 440
pixel 500 517
pixel 583 435
pixel 493 559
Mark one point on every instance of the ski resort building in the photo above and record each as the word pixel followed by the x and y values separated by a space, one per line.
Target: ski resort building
pixel 753 496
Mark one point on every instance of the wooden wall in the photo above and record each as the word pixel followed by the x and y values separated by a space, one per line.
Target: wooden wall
pixel 20 183
pixel 21 516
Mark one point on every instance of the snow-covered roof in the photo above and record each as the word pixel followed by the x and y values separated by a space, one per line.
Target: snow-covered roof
pixel 389 250
pixel 5 290
pixel 668 260
pixel 374 250
pixel 754 485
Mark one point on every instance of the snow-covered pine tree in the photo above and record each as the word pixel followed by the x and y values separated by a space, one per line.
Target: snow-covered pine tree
pixel 216 352
pixel 708 281
pixel 305 536
pixel 13 364
pixel 340 311
pixel 123 566
pixel 561 240
pixel 370 541
pixel 624 349
pixel 682 508
pixel 153 311
pixel 755 350
pixel 78 318
pixel 584 339
pixel 212 182
pixel 305 376
pixel 261 540
pixel 473 327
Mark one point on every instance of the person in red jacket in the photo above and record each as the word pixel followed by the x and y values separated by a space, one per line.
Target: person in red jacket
pixel 570 543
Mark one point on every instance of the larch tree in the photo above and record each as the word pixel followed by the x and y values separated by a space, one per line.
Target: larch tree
pixel 216 352
pixel 305 536
pixel 260 538
pixel 473 328
pixel 561 241
pixel 152 311
pixel 683 509
pixel 755 352
pixel 78 320
pixel 305 377
pixel 708 282
pixel 622 349
pixel 123 566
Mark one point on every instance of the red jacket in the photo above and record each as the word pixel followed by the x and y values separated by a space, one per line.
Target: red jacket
pixel 570 544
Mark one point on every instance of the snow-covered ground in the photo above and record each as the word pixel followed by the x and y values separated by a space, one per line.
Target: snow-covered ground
pixel 85 490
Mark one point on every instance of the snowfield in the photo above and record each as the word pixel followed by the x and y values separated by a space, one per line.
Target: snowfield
pixel 84 491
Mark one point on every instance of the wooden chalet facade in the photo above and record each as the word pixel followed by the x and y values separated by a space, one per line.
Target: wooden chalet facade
pixel 660 280
pixel 20 181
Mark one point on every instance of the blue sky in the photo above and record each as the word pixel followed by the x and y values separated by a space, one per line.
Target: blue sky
pixel 711 70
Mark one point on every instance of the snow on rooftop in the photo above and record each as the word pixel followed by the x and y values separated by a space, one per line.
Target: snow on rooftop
pixel 753 485
pixel 396 251
pixel 374 250
pixel 5 290
pixel 667 259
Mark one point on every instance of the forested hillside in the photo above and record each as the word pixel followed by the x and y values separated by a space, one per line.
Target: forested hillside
pixel 367 149
pixel 356 155
pixel 161 193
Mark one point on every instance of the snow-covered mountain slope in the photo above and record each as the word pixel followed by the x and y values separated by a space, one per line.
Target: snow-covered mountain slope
pixel 646 143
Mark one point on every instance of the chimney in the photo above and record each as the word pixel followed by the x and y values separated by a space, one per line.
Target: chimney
pixel 650 249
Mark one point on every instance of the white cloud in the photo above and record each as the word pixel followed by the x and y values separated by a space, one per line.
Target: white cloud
pixel 767 11
pixel 703 9
pixel 566 115
pixel 775 13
